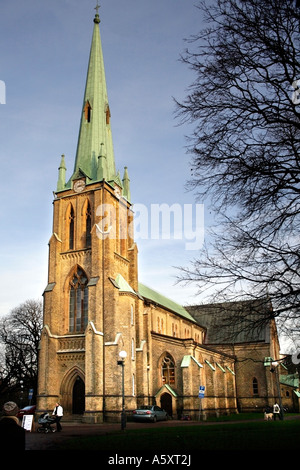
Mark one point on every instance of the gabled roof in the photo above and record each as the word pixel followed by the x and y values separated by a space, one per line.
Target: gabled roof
pixel 292 380
pixel 234 322
pixel 186 361
pixel 153 296
pixel 123 285
pixel 168 388
pixel 163 301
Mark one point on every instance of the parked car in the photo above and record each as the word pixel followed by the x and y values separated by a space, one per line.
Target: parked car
pixel 27 410
pixel 150 413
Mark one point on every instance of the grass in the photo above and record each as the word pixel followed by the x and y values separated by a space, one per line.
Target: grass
pixel 278 435
pixel 235 417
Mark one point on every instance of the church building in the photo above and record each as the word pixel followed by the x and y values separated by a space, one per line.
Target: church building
pixel 95 306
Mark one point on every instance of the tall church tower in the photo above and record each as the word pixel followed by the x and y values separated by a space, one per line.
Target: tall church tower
pixel 90 302
pixel 94 306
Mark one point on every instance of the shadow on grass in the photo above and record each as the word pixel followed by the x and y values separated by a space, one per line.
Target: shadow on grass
pixel 278 435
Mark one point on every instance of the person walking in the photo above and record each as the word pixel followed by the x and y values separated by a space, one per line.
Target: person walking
pixel 58 413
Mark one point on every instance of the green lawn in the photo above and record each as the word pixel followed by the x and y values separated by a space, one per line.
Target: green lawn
pixel 278 435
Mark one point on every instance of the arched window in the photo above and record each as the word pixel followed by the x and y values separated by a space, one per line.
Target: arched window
pixel 78 301
pixel 255 386
pixel 88 225
pixel 168 370
pixel 71 228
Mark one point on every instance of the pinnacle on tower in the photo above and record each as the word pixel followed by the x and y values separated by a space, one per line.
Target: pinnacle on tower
pixel 126 185
pixel 61 175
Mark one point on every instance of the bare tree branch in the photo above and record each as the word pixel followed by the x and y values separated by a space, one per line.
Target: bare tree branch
pixel 245 113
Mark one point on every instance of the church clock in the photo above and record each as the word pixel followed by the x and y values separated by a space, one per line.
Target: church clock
pixel 79 186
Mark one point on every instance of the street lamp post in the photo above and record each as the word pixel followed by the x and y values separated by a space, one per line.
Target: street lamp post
pixel 273 364
pixel 274 369
pixel 121 362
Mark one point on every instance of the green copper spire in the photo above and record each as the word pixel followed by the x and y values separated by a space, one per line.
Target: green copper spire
pixel 95 139
pixel 61 175
pixel 126 185
pixel 95 159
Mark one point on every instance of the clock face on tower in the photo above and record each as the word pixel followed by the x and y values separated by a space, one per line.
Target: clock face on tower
pixel 79 186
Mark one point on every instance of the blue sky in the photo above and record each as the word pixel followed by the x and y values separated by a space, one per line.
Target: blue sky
pixel 43 63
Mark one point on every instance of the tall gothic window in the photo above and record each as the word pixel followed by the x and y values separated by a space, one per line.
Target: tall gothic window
pixel 168 370
pixel 255 386
pixel 71 228
pixel 78 301
pixel 88 225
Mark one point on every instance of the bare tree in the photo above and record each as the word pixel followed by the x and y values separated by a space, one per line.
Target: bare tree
pixel 244 107
pixel 19 337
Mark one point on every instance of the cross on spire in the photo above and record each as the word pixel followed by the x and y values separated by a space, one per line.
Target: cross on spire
pixel 97 19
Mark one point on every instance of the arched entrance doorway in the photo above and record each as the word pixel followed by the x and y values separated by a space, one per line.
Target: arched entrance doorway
pixel 166 403
pixel 78 397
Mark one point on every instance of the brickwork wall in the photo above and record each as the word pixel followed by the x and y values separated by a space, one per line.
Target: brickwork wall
pixel 121 320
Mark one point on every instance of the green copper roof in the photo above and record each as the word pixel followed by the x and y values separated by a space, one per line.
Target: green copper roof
pixel 170 389
pixel 160 299
pixel 186 361
pixel 292 380
pixel 123 285
pixel 153 296
pixel 95 159
pixel 95 139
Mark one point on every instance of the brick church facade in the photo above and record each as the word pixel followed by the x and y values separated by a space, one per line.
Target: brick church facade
pixel 95 305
